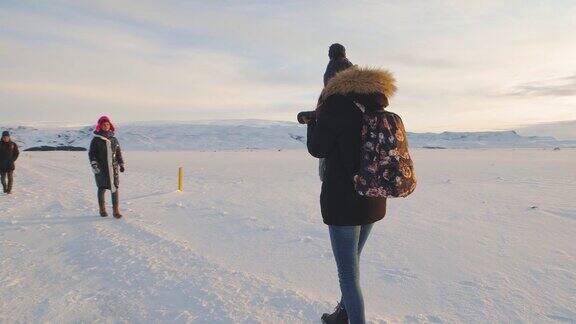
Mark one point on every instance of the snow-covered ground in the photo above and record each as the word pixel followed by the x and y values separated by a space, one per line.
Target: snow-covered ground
pixel 220 135
pixel 488 237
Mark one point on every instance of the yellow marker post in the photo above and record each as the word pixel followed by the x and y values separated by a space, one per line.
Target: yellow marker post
pixel 180 179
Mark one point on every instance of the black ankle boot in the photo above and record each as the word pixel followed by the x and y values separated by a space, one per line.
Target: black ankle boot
pixel 338 317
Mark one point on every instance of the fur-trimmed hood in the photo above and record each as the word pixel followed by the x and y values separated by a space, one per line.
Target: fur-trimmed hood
pixel 361 80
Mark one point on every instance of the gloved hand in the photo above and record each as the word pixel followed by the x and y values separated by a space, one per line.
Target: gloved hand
pixel 95 167
pixel 122 168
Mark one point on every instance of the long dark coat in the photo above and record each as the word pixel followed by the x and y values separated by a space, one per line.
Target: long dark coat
pixel 336 136
pixel 108 156
pixel 8 155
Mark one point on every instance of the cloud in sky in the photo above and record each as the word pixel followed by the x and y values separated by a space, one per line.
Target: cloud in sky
pixel 150 60
pixel 557 87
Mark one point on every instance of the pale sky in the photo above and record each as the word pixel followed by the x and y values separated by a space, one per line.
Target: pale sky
pixel 460 65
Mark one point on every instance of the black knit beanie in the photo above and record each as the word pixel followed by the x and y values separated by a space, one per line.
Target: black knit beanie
pixel 336 51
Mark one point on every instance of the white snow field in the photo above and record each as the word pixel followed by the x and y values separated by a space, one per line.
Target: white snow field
pixel 489 236
pixel 219 135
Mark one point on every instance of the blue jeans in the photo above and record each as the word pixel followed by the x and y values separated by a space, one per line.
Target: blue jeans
pixel 347 244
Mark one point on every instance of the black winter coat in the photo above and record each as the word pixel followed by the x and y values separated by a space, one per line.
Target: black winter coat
pixel 8 155
pixel 334 66
pixel 336 136
pixel 108 156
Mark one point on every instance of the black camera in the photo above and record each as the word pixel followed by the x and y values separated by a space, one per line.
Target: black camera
pixel 306 115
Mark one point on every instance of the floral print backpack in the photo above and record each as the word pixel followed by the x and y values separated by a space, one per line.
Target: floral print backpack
pixel 386 169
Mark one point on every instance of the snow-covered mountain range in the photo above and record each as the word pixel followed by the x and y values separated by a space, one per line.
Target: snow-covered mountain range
pixel 562 130
pixel 251 134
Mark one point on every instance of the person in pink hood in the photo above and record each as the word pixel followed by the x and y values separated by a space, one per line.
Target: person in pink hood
pixel 106 160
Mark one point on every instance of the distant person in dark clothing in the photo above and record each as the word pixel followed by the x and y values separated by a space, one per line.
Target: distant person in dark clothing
pixel 8 155
pixel 338 61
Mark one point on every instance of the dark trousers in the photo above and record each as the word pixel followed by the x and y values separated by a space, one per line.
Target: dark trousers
pixel 7 186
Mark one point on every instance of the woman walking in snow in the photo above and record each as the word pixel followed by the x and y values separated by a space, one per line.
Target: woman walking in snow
pixel 106 160
pixel 352 105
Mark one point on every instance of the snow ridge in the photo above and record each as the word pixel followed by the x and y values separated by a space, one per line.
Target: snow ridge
pixel 253 134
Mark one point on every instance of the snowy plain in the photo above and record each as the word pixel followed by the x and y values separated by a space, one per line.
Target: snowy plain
pixel 264 134
pixel 488 237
